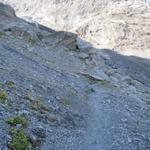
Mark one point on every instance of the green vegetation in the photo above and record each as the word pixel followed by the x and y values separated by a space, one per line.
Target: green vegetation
pixel 3 97
pixel 19 140
pixel 17 120
pixel 65 102
pixel 1 84
pixel 1 34
pixel 39 106
pixel 10 83
pixel 32 41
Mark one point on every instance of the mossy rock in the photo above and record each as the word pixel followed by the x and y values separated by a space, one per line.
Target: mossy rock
pixel 19 141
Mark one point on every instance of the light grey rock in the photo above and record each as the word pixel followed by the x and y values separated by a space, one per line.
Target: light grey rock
pixel 96 73
pixel 112 24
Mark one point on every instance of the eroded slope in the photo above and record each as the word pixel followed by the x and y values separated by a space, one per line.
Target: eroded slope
pixel 71 98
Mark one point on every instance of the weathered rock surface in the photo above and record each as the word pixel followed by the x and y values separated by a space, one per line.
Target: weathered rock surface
pixel 7 11
pixel 122 25
pixel 72 98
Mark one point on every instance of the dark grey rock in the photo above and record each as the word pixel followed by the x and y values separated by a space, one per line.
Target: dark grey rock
pixel 7 11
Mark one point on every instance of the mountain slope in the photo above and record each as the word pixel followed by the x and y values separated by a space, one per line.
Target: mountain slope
pixel 70 98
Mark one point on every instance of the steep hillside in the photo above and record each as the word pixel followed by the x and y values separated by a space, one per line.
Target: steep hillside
pixel 56 96
pixel 121 25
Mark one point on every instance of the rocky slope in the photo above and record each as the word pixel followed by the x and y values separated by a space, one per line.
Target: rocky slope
pixel 122 25
pixel 58 96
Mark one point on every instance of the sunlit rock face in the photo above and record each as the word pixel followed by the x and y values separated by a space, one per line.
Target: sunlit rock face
pixel 120 25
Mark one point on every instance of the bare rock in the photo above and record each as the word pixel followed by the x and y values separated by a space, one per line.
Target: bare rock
pixel 7 11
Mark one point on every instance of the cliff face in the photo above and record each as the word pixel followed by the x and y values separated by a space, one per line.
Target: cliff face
pixel 58 95
pixel 120 25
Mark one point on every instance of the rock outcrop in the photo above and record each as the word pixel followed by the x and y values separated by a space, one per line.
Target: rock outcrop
pixel 120 25
pixel 7 11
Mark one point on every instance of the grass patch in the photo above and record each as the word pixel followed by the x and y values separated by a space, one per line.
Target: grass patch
pixel 17 120
pixel 1 34
pixel 32 41
pixel 39 106
pixel 10 83
pixel 19 140
pixel 65 102
pixel 3 97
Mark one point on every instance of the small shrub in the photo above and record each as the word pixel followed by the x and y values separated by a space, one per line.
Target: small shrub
pixel 17 120
pixel 39 106
pixel 10 83
pixel 19 140
pixel 3 97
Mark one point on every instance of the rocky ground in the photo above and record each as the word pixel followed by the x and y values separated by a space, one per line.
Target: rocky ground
pixel 58 96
